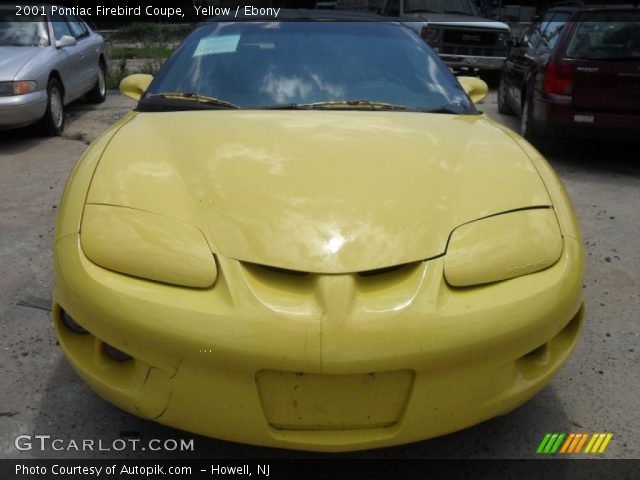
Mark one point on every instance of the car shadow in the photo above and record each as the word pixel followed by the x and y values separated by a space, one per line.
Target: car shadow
pixel 593 156
pixel 19 140
pixel 69 409
pixel 582 154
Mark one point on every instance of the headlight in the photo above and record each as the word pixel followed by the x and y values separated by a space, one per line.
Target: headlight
pixel 429 34
pixel 17 88
pixel 504 39
pixel 502 247
pixel 147 245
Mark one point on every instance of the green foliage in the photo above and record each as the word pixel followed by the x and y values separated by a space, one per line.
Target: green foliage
pixel 115 75
pixel 152 32
pixel 150 51
pixel 152 67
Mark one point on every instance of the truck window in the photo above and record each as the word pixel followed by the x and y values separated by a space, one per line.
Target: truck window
pixel 392 8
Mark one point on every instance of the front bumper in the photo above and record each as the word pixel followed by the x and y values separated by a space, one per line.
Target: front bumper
pixel 265 359
pixel 481 63
pixel 22 110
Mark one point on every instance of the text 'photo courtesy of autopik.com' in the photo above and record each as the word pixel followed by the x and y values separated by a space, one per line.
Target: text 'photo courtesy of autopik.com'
pixel 319 239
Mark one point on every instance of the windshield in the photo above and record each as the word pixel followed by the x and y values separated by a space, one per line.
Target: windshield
pixel 275 65
pixel 23 31
pixel 606 35
pixel 464 7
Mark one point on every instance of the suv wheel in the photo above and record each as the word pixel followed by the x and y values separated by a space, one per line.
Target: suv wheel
pixel 528 128
pixel 503 105
pixel 526 118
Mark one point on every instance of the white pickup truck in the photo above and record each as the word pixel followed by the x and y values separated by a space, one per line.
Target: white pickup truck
pixel 456 30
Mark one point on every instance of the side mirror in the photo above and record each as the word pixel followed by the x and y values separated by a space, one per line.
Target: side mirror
pixel 476 89
pixel 135 85
pixel 66 41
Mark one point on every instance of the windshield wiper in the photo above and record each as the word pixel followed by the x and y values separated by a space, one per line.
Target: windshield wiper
pixel 442 109
pixel 341 104
pixel 193 97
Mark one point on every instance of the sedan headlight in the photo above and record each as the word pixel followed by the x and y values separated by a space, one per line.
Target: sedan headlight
pixel 17 88
pixel 502 247
pixel 147 245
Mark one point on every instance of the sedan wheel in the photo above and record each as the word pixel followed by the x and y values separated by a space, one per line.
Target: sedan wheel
pixel 98 93
pixel 53 121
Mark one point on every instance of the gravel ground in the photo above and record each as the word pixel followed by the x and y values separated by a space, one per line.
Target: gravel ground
pixel 597 391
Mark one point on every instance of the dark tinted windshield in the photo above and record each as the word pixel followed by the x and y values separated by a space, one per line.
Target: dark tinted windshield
pixel 23 31
pixel 257 65
pixel 606 35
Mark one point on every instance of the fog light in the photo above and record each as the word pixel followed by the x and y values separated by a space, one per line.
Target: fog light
pixel 114 354
pixel 71 324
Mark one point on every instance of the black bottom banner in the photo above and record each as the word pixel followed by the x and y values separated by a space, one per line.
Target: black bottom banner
pixel 321 469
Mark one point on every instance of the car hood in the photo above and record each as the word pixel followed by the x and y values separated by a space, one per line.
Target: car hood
pixel 450 19
pixel 12 59
pixel 318 191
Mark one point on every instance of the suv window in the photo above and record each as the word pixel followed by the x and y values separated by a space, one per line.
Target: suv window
pixel 78 29
pixel 606 35
pixel 552 31
pixel 60 27
pixel 532 37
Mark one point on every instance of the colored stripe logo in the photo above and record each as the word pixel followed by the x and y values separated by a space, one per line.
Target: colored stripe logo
pixel 574 443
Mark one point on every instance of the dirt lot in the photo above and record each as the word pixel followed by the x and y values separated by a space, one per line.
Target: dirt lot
pixel 596 392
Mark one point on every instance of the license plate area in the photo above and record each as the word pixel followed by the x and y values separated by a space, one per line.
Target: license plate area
pixel 302 401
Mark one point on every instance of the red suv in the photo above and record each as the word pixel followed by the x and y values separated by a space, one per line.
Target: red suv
pixel 576 72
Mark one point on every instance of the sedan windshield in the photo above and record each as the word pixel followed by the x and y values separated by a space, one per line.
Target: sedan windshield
pixel 306 65
pixel 24 31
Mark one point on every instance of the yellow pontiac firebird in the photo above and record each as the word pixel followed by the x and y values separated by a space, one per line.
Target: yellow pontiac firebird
pixel 306 236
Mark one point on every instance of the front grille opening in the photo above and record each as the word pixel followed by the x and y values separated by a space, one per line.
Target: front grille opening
pixel 537 352
pixel 114 354
pixel 269 280
pixel 380 271
pixel 283 271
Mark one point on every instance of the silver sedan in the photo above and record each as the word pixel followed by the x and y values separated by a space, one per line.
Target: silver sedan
pixel 46 62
